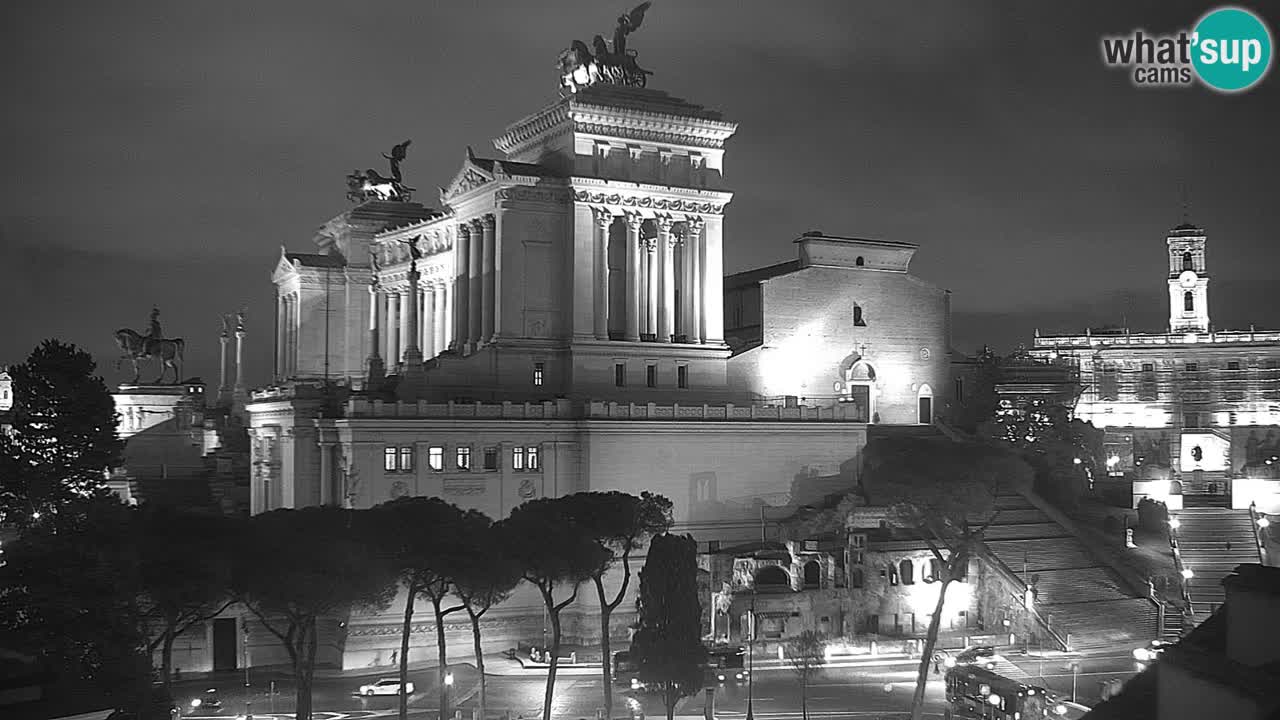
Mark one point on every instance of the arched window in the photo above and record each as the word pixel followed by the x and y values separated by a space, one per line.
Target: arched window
pixel 812 574
pixel 857 316
pixel 1188 301
pixel 1188 262
pixel 772 577
pixel 935 571
pixel 907 572
pixel 859 262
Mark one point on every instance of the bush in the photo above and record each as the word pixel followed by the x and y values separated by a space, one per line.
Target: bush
pixel 1152 515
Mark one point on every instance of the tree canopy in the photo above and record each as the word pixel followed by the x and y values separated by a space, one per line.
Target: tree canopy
pixel 668 642
pixel 64 434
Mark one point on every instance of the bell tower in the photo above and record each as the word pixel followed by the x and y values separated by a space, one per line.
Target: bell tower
pixel 1188 280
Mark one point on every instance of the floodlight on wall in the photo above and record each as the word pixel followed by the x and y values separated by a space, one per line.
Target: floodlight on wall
pixel 1174 523
pixel 1187 574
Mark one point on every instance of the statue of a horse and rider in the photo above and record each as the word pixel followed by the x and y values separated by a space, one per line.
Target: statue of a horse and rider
pixel 135 346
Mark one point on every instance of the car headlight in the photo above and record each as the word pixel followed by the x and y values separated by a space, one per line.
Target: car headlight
pixel 195 703
pixel 720 678
pixel 1141 654
pixel 739 676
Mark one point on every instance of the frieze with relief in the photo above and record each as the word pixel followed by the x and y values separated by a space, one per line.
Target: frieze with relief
pixel 673 205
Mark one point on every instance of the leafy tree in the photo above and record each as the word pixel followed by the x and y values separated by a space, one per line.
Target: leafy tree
pixel 1064 452
pixel 423 539
pixel 806 654
pixel 185 560
pixel 981 403
pixel 668 643
pixel 68 595
pixel 553 550
pixel 323 563
pixel 485 577
pixel 620 523
pixel 944 493
pixel 64 435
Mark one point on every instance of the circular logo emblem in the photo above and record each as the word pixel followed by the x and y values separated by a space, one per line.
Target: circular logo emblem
pixel 1231 49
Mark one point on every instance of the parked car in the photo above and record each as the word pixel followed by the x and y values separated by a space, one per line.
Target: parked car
pixel 983 655
pixel 386 686
pixel 160 709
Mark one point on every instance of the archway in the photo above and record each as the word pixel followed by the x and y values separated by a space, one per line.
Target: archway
pixel 772 577
pixel 924 405
pixel 859 386
pixel 906 572
pixel 812 574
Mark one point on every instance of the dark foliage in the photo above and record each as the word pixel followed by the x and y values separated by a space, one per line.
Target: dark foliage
pixel 668 643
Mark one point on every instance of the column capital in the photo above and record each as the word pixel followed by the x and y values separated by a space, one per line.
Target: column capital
pixel 649 244
pixel 488 221
pixel 603 217
pixel 695 223
pixel 664 223
pixel 634 221
pixel 464 228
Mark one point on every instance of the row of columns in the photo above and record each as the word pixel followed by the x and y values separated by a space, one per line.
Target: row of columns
pixel 475 313
pixel 431 329
pixel 288 320
pixel 650 277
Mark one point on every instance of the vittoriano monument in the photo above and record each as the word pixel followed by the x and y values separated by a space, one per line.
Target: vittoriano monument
pixel 135 346
pixel 370 185
pixel 582 66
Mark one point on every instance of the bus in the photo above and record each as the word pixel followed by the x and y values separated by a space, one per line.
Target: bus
pixel 974 692
pixel 726 662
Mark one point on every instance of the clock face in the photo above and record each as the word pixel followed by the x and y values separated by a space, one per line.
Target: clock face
pixel 1187 278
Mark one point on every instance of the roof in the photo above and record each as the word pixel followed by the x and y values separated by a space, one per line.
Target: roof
pixel 750 277
pixel 316 260
pixel 819 235
pixel 517 168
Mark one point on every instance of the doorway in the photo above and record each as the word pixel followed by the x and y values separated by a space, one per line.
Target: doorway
pixel 926 411
pixel 224 644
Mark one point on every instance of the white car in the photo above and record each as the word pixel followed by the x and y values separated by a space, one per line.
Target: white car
pixel 386 686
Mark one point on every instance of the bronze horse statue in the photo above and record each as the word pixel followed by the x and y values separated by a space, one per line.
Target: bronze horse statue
pixel 136 346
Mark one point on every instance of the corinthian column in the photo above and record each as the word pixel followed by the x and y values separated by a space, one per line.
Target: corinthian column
pixel 489 265
pixel 461 287
pixel 412 353
pixel 633 276
pixel 604 219
pixel 475 285
pixel 430 296
pixel 693 252
pixel 442 317
pixel 393 323
pixel 651 287
pixel 667 282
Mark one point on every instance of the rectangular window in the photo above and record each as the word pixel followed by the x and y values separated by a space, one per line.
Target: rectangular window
pixel 406 459
pixel 959 391
pixel 1233 364
pixel 389 459
pixel 1192 367
pixel 651 375
pixel 491 458
pixel 537 374
pixel 464 458
pixel 682 376
pixel 620 374
pixel 531 458
pixel 435 458
pixel 1148 367
pixel 517 458
pixel 1191 420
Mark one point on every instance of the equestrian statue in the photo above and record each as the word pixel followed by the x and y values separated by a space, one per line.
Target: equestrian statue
pixel 135 346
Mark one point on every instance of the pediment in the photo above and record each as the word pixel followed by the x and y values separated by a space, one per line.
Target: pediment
pixel 468 178
pixel 284 269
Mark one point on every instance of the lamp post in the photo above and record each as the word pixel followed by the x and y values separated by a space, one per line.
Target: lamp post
pixel 247 694
pixel 444 704
pixel 751 646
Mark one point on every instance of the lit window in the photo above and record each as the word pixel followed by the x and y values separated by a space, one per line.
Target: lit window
pixel 1188 302
pixel 682 376
pixel 651 376
pixel 435 458
pixel 857 316
pixel 531 457
pixel 491 458
pixel 389 459
pixel 620 374
pixel 406 459
pixel 537 373
pixel 517 458
pixel 464 458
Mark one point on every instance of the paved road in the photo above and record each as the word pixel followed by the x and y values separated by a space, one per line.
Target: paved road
pixel 1094 669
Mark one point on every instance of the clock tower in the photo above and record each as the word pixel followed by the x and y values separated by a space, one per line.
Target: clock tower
pixel 1188 280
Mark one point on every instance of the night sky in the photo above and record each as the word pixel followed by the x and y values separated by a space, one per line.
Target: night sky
pixel 160 153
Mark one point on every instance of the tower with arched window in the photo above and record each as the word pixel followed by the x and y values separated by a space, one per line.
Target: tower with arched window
pixel 1188 280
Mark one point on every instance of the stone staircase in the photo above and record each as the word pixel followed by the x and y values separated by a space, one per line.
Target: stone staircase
pixel 1076 593
pixel 1211 542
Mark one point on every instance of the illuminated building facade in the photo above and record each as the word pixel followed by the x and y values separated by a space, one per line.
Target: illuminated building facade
pixel 558 325
pixel 1191 411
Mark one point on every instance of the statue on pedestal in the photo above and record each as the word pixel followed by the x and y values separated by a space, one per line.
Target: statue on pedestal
pixel 582 67
pixel 371 185
pixel 135 346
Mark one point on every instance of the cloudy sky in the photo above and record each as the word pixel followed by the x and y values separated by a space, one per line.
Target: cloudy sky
pixel 161 153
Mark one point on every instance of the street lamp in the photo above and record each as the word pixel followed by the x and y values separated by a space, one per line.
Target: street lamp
pixel 751 646
pixel 1187 574
pixel 444 704
pixel 1174 523
pixel 1263 522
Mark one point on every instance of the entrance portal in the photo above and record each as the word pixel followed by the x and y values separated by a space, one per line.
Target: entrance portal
pixel 224 644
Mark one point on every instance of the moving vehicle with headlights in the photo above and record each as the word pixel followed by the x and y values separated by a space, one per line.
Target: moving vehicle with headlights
pixel 984 655
pixel 386 686
pixel 974 692
pixel 207 704
pixel 727 663
pixel 1150 652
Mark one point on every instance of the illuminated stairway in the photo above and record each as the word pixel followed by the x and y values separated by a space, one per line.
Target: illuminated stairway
pixel 1075 592
pixel 1211 543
